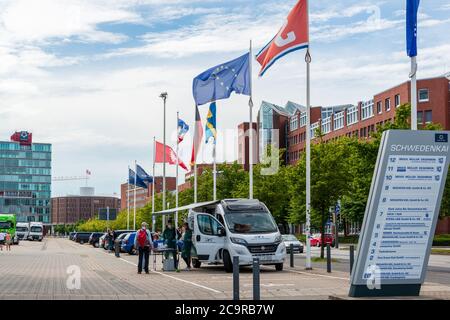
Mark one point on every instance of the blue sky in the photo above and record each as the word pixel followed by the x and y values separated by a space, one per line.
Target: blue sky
pixel 86 75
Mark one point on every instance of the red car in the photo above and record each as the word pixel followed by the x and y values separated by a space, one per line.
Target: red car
pixel 316 240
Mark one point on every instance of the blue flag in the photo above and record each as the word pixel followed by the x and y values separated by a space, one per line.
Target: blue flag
pixel 183 128
pixel 139 182
pixel 412 8
pixel 143 175
pixel 211 131
pixel 219 82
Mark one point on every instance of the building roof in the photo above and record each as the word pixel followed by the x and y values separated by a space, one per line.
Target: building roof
pixel 274 107
pixel 293 107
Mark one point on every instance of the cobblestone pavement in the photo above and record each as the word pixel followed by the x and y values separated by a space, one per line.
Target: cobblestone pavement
pixel 39 270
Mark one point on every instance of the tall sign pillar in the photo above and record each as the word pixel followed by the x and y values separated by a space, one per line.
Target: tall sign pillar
pixel 401 214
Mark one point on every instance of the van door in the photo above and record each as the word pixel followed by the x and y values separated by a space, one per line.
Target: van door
pixel 207 238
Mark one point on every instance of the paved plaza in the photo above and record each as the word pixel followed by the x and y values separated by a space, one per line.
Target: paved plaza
pixel 39 270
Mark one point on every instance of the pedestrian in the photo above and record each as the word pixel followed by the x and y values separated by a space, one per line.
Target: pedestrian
pixel 2 240
pixel 8 241
pixel 111 241
pixel 170 238
pixel 187 245
pixel 143 243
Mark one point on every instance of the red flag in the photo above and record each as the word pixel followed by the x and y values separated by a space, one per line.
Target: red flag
pixel 171 156
pixel 294 35
pixel 198 136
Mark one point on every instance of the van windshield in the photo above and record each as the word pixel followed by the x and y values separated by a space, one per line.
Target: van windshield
pixel 5 225
pixel 36 229
pixel 22 229
pixel 250 222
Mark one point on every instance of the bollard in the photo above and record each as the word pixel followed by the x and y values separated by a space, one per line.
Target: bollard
pixel 291 247
pixel 352 257
pixel 256 289
pixel 236 278
pixel 328 258
pixel 117 248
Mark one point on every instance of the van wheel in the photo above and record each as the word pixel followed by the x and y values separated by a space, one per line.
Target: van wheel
pixel 279 267
pixel 227 262
pixel 196 263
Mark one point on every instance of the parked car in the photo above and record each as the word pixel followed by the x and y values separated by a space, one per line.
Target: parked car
pixel 94 238
pixel 101 241
pixel 316 240
pixel 117 233
pixel 128 243
pixel 82 237
pixel 289 239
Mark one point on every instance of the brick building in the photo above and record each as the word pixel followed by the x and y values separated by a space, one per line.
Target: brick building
pixel 71 209
pixel 144 196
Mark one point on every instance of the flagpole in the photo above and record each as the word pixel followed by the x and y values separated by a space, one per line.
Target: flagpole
pixel 214 171
pixel 250 137
pixel 413 76
pixel 164 97
pixel 153 187
pixel 308 153
pixel 135 187
pixel 195 156
pixel 128 199
pixel 176 179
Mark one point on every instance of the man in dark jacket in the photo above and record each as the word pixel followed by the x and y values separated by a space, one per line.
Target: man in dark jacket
pixel 170 236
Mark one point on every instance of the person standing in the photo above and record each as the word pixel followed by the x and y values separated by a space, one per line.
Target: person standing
pixel 143 243
pixel 2 240
pixel 111 241
pixel 187 246
pixel 170 238
pixel 8 241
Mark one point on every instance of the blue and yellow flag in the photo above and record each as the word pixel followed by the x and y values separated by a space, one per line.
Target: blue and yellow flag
pixel 211 131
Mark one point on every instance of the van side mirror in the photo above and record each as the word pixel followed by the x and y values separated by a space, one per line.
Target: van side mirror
pixel 221 232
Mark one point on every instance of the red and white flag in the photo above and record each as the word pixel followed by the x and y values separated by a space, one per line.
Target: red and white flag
pixel 171 156
pixel 294 35
pixel 198 136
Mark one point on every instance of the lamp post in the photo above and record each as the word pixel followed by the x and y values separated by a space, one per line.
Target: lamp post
pixel 164 97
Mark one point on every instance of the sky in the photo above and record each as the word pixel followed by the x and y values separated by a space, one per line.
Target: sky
pixel 85 75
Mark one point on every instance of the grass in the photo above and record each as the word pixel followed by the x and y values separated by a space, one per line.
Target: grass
pixel 319 259
pixel 445 252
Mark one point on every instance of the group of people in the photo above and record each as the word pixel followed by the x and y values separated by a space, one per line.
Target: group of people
pixel 5 240
pixel 144 243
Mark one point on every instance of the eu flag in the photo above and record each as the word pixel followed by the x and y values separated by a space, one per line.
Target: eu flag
pixel 132 177
pixel 220 81
pixel 412 8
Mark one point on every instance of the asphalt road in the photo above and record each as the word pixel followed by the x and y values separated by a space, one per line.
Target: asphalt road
pixel 438 270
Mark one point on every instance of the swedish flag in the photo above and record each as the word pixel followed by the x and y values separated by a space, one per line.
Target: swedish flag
pixel 211 131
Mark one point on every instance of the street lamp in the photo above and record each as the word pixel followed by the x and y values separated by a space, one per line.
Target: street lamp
pixel 164 97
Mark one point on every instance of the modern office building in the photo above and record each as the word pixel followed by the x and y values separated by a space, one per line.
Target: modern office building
pixel 25 178
pixel 73 208
pixel 143 196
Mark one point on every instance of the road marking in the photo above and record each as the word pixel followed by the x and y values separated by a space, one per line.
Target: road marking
pixel 319 275
pixel 175 278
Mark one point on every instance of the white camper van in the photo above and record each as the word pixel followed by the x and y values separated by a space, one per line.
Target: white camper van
pixel 36 231
pixel 234 227
pixel 22 230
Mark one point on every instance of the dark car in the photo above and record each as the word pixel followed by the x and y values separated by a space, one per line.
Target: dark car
pixel 94 238
pixel 82 237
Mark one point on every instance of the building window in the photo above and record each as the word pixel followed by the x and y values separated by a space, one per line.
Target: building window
pixel 338 121
pixel 326 125
pixel 379 109
pixel 302 119
pixel 428 116
pixel 352 115
pixel 423 95
pixel 294 123
pixel 420 117
pixel 367 109
pixel 387 104
pixel 314 127
pixel 397 100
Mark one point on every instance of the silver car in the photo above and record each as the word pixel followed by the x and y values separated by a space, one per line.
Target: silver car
pixel 289 239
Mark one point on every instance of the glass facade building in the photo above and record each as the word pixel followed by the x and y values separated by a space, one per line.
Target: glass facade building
pixel 25 180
